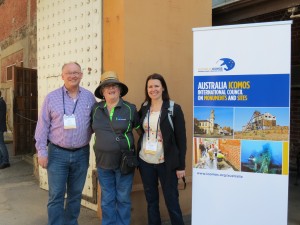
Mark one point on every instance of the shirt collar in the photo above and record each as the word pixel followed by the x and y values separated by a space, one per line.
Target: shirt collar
pixel 120 103
pixel 67 92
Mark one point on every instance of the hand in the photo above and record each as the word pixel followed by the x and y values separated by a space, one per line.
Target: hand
pixel 180 173
pixel 43 162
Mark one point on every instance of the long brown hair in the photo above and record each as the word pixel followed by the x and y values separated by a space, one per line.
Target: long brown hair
pixel 165 93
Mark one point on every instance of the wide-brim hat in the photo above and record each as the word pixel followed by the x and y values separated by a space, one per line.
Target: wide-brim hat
pixel 110 77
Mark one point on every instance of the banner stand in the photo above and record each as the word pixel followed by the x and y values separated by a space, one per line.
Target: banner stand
pixel 241 124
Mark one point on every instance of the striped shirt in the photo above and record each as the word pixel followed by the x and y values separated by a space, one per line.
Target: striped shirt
pixel 50 125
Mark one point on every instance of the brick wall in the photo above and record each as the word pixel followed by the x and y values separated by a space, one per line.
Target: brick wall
pixel 32 34
pixel 12 59
pixel 296 43
pixel 17 22
pixel 231 148
pixel 295 122
pixel 33 7
pixel 295 92
pixel 13 17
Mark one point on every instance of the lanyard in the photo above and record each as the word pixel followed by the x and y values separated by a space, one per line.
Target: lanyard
pixel 64 102
pixel 156 125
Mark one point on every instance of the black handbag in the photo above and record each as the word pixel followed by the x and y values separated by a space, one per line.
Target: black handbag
pixel 128 159
pixel 128 162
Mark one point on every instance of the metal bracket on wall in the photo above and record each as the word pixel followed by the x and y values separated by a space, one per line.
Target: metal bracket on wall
pixel 93 198
pixel 294 10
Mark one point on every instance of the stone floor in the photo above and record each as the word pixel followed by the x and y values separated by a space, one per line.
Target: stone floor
pixel 23 202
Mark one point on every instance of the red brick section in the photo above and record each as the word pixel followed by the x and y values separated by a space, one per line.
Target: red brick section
pixel 13 17
pixel 231 148
pixel 15 58
pixel 33 6
pixel 17 21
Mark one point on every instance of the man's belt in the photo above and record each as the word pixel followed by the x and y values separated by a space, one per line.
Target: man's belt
pixel 68 149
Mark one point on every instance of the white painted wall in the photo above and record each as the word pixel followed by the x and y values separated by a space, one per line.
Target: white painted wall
pixel 69 31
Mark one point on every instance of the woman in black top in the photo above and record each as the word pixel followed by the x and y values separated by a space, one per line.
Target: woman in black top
pixel 161 150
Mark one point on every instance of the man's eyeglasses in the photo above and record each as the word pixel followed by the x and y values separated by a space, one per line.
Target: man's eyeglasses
pixel 73 73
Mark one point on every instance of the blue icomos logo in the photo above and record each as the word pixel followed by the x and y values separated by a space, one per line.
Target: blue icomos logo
pixel 223 64
pixel 227 64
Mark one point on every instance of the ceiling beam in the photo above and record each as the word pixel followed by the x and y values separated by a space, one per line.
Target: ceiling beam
pixel 244 9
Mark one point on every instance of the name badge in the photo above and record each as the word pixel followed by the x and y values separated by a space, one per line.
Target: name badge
pixel 69 122
pixel 151 147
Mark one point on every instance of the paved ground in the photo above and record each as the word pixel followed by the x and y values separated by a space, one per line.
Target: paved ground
pixel 22 202
pixel 294 201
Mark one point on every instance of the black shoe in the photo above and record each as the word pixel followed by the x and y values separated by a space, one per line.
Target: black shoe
pixel 4 165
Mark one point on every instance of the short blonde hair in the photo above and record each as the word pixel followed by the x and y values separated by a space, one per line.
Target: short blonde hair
pixel 76 63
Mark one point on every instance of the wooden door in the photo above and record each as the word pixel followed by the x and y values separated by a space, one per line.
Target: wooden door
pixel 24 110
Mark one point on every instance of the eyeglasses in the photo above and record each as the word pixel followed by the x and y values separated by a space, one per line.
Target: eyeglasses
pixel 111 85
pixel 73 73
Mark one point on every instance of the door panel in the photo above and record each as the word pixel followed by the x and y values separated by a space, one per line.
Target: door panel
pixel 25 110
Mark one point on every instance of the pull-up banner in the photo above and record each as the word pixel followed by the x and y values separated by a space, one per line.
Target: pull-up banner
pixel 241 124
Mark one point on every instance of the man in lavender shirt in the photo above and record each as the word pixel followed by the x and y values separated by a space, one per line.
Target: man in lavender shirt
pixel 62 137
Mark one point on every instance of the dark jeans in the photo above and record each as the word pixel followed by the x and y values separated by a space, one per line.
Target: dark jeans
pixel 4 158
pixel 66 174
pixel 115 196
pixel 150 174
